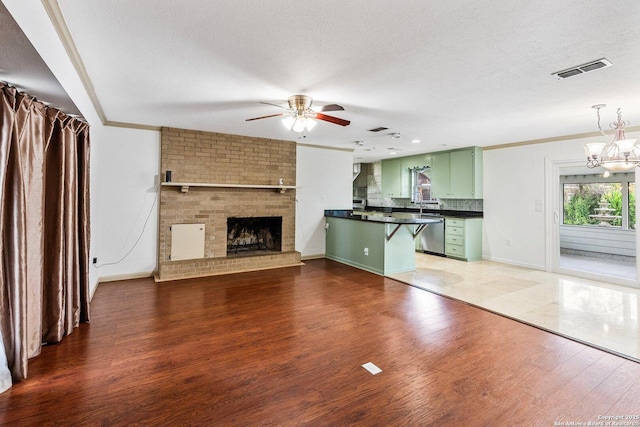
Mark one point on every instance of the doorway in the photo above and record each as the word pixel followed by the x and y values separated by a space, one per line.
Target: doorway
pixel 594 224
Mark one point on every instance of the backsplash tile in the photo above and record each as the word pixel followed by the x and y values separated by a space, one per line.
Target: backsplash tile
pixel 463 204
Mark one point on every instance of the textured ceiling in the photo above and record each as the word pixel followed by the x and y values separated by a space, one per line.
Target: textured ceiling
pixel 450 73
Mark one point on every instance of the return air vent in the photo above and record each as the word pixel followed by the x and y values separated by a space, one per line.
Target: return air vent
pixel 584 68
pixel 381 128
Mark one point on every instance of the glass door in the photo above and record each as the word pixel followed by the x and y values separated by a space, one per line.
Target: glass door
pixel 597 224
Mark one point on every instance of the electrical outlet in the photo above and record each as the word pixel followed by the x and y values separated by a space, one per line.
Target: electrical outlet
pixel 508 242
pixel 95 260
pixel 366 251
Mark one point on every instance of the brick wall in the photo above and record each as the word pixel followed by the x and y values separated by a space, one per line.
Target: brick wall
pixel 215 158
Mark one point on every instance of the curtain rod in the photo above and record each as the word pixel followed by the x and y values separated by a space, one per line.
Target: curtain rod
pixel 6 84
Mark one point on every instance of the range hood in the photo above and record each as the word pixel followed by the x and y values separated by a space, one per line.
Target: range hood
pixel 357 167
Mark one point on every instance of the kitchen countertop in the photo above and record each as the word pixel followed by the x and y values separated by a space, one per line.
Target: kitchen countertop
pixel 444 212
pixel 348 214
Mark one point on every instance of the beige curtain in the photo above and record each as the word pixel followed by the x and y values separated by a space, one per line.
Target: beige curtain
pixel 44 226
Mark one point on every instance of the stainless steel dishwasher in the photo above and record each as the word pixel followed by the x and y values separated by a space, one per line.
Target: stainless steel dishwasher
pixel 432 237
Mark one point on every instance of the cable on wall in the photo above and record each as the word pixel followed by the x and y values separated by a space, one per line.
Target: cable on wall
pixel 144 226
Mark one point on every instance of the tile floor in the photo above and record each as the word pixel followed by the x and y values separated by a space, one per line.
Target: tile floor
pixel 596 313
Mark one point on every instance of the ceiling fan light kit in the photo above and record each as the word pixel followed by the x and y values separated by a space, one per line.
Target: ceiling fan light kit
pixel 620 154
pixel 299 123
pixel 301 116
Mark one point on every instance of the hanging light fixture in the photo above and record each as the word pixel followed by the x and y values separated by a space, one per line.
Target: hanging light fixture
pixel 302 116
pixel 619 155
pixel 299 122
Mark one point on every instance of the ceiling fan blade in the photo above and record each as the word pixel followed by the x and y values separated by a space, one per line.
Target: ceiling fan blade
pixel 265 117
pixel 275 105
pixel 332 119
pixel 330 107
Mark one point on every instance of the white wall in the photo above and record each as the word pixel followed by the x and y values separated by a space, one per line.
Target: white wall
pixel 517 199
pixel 124 179
pixel 325 176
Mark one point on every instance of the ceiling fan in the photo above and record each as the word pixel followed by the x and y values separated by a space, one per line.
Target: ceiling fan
pixel 301 116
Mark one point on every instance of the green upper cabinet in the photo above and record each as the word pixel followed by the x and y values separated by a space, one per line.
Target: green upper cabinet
pixel 457 174
pixel 417 161
pixel 395 179
pixel 396 174
pixel 441 175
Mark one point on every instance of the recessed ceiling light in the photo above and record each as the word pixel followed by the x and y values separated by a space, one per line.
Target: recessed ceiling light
pixel 442 145
pixel 392 152
pixel 415 141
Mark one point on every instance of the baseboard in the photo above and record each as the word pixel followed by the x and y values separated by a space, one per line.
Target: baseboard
pixel 130 276
pixel 315 256
pixel 515 263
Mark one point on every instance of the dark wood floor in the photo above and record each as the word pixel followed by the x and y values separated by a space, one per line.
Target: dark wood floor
pixel 285 347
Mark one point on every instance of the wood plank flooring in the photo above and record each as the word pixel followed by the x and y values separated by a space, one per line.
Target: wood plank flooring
pixel 285 347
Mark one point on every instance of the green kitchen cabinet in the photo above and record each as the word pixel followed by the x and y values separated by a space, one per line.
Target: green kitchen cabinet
pixel 457 174
pixel 395 179
pixel 396 174
pixel 380 247
pixel 417 161
pixel 441 175
pixel 463 238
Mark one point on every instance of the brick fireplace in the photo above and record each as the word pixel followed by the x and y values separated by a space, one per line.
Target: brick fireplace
pixel 243 163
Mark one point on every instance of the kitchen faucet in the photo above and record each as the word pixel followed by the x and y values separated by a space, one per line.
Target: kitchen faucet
pixel 418 197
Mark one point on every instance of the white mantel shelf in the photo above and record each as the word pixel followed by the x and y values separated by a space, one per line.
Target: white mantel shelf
pixel 184 186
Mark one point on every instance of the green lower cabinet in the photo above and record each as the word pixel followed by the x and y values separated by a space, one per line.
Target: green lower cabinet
pixel 463 238
pixel 365 245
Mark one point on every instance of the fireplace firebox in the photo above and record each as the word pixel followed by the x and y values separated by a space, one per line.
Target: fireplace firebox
pixel 253 235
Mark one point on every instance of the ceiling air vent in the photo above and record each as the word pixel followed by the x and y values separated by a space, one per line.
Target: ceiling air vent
pixel 584 68
pixel 381 128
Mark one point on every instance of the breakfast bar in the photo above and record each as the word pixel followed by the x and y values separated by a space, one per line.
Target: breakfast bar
pixel 380 244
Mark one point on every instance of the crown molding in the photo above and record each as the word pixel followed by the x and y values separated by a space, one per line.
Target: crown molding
pixel 554 139
pixel 57 19
pixel 325 147
pixel 132 126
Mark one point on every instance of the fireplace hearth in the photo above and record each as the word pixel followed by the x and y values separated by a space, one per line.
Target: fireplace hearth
pixel 253 235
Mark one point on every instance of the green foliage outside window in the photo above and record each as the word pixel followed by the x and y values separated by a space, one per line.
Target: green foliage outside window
pixel 632 205
pixel 582 200
pixel 615 202
pixel 580 205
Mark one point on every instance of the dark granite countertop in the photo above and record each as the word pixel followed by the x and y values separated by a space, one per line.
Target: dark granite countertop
pixel 444 212
pixel 349 214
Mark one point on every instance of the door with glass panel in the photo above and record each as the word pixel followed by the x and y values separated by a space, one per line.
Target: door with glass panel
pixel 597 227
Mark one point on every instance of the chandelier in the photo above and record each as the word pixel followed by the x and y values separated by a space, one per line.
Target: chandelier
pixel 619 155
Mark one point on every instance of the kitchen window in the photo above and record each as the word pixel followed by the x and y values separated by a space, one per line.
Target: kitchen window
pixel 421 185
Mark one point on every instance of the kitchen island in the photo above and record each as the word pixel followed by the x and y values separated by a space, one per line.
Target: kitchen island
pixel 380 244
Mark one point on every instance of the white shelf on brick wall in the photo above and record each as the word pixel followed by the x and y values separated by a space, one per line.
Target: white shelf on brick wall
pixel 184 186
